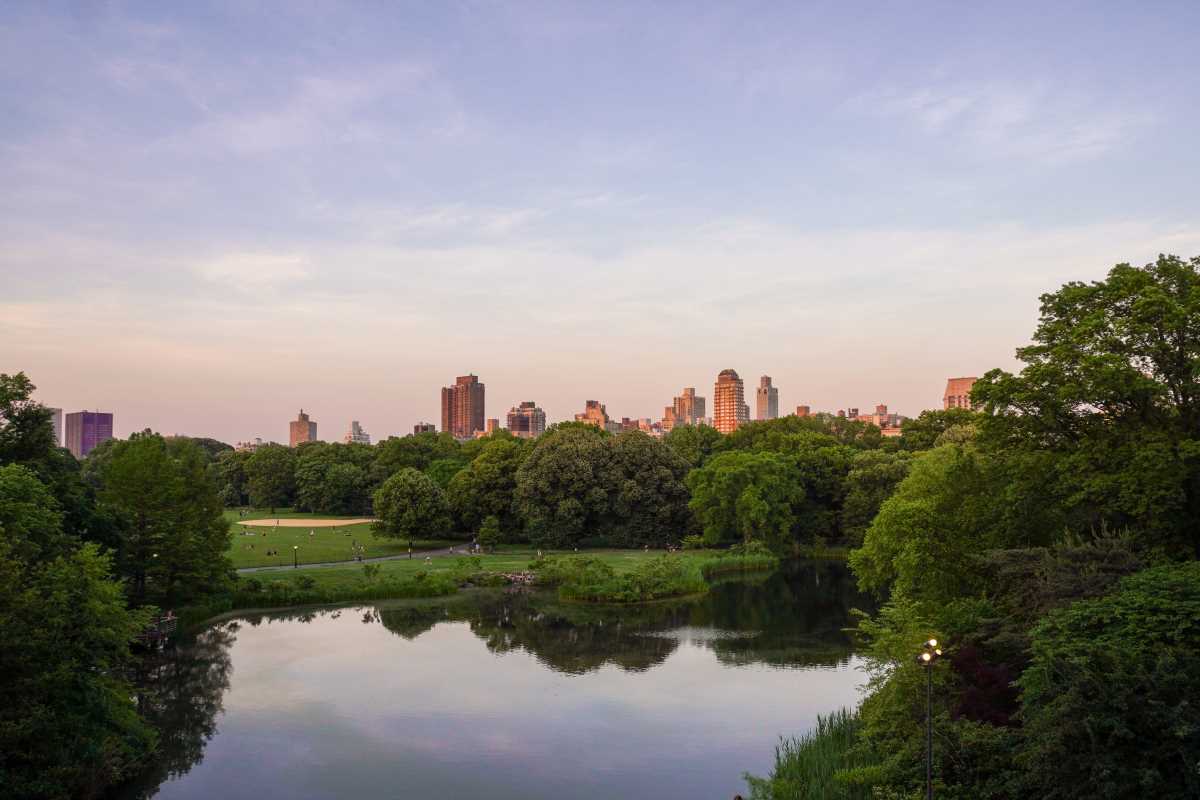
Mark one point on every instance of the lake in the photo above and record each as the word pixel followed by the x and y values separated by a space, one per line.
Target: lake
pixel 503 695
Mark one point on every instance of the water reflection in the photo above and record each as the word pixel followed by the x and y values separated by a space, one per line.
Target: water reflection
pixel 792 619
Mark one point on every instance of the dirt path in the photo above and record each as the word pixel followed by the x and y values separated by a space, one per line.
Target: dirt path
pixel 286 522
pixel 456 550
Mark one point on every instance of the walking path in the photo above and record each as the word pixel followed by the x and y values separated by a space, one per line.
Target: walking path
pixel 459 550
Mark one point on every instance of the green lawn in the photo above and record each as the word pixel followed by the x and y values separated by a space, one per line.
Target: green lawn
pixel 326 544
pixel 351 576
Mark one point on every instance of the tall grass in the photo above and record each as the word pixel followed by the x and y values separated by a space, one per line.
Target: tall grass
pixel 252 593
pixel 807 767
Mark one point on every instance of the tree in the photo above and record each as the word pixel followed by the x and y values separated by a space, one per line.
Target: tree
pixel 925 538
pixel 30 518
pixel 26 431
pixel 647 497
pixel 417 451
pixel 410 505
pixel 271 476
pixel 560 491
pixel 231 477
pixel 487 486
pixel 67 727
pixel 443 470
pixel 694 443
pixel 172 532
pixel 747 496
pixel 1109 702
pixel 333 478
pixel 873 477
pixel 922 432
pixel 1110 390
pixel 490 534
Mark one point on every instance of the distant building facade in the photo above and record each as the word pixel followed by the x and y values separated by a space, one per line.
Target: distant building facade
pixel 424 427
pixel 686 409
pixel 249 447
pixel 767 399
pixel 958 393
pixel 56 419
pixel 356 434
pixel 85 430
pixel 301 430
pixel 526 420
pixel 462 407
pixel 803 411
pixel 729 404
pixel 888 423
pixel 594 413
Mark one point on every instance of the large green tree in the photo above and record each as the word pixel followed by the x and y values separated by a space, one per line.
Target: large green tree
pixel 747 496
pixel 561 494
pixel 271 476
pixel 1109 704
pixel 872 478
pixel 334 478
pixel 1111 389
pixel 694 443
pixel 409 505
pixel 488 485
pixel 172 532
pixel 646 493
pixel 26 432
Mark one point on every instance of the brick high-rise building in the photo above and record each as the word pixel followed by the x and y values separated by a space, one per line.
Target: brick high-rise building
pixel 462 407
pixel 87 429
pixel 729 404
pixel 301 430
pixel 686 409
pixel 768 399
pixel 594 413
pixel 526 420
pixel 424 427
pixel 958 393
pixel 803 411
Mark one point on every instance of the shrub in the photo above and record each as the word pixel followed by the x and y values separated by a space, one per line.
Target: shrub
pixel 808 767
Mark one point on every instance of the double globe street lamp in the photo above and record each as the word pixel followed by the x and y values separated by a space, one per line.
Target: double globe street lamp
pixel 926 658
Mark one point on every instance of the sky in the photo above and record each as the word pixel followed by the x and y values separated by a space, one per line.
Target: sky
pixel 213 214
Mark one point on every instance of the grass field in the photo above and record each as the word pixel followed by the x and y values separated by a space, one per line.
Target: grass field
pixel 326 544
pixel 351 576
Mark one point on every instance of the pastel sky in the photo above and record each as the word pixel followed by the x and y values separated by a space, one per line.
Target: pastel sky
pixel 212 214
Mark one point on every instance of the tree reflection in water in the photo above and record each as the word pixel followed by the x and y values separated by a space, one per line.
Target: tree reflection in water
pixel 793 618
pixel 180 690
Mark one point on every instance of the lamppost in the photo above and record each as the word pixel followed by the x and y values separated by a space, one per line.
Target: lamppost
pixel 926 658
pixel 295 556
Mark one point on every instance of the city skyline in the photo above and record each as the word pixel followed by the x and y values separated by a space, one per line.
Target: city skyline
pixel 210 207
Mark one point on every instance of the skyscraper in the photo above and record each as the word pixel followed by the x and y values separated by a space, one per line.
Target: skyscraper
pixel 594 413
pixel 301 430
pixel 686 409
pixel 958 393
pixel 729 404
pixel 803 411
pixel 768 399
pixel 356 434
pixel 462 407
pixel 526 420
pixel 87 429
pixel 56 419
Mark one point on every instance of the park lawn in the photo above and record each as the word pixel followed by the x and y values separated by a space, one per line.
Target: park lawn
pixel 350 577
pixel 326 544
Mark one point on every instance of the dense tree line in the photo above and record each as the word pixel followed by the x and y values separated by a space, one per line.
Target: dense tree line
pixel 1050 544
pixel 87 553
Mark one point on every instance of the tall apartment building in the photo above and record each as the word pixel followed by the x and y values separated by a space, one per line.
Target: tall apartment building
pixel 526 420
pixel 301 430
pixel 85 430
pixel 56 419
pixel 594 413
pixel 803 411
pixel 729 404
pixel 768 399
pixel 462 407
pixel 686 409
pixel 424 427
pixel 958 393
pixel 356 434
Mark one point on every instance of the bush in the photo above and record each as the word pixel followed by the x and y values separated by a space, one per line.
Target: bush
pixel 489 533
pixel 591 580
